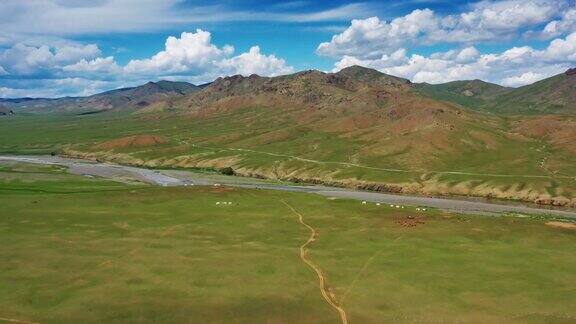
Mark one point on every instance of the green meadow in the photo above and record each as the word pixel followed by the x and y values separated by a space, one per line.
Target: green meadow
pixel 77 249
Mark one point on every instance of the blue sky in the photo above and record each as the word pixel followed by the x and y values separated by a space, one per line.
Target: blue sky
pixel 51 48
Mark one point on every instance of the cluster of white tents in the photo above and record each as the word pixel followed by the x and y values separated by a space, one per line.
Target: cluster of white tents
pixel 223 203
pixel 396 206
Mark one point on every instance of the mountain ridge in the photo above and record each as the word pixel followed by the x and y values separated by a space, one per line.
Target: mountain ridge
pixel 129 98
pixel 352 88
pixel 354 85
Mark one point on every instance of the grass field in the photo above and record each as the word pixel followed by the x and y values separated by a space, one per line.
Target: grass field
pixel 76 249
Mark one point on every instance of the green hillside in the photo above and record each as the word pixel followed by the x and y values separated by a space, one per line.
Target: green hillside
pixel 553 95
pixel 476 94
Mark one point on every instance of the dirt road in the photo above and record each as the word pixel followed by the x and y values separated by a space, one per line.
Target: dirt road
pixel 324 290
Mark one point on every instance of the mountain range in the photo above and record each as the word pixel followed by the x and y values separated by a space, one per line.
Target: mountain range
pixel 352 87
pixel 126 99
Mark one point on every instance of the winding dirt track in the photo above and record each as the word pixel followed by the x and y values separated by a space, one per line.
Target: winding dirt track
pixel 13 320
pixel 361 272
pixel 347 164
pixel 328 297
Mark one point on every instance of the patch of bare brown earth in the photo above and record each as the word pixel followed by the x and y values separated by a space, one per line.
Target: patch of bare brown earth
pixel 133 141
pixel 559 130
pixel 564 225
pixel 409 221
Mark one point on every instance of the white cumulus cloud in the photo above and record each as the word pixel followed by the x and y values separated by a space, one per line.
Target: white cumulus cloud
pixel 485 21
pixel 50 88
pixel 254 61
pixel 513 67
pixel 97 65
pixel 523 79
pixel 195 55
pixel 191 57
pixel 567 23
pixel 23 59
pixel 373 37
pixel 190 52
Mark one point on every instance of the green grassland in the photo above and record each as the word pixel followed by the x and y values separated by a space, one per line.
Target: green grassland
pixel 76 249
pixel 554 95
pixel 267 143
pixel 452 94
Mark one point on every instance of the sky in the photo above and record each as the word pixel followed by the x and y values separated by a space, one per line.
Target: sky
pixel 54 48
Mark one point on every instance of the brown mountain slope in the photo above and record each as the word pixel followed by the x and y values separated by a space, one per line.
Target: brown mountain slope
pixel 351 88
pixel 356 103
pixel 558 130
pixel 388 122
pixel 126 99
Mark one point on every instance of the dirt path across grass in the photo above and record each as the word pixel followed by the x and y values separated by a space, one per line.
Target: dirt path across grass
pixel 347 164
pixel 13 320
pixel 361 272
pixel 324 290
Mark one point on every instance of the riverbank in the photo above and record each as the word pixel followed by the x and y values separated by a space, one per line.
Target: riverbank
pixel 183 178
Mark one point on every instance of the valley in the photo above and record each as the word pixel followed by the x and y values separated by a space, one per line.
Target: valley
pixel 357 128
pixel 279 162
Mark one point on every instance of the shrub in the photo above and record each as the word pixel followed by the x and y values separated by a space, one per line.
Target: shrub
pixel 227 171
